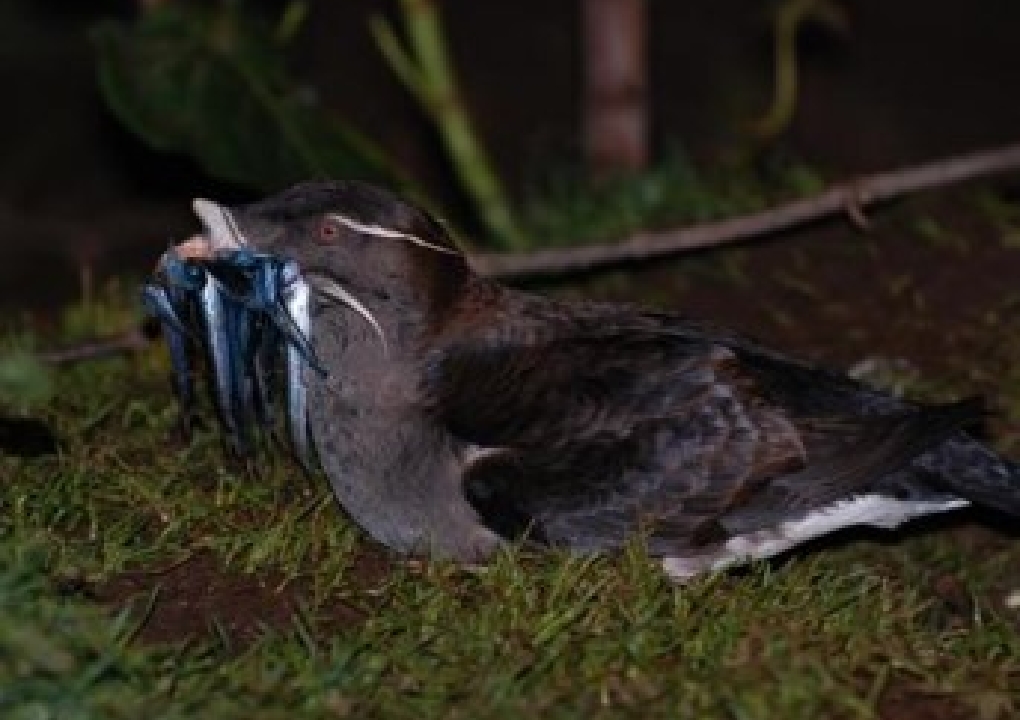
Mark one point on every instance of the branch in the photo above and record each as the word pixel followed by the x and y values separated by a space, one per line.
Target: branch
pixel 850 198
pixel 123 344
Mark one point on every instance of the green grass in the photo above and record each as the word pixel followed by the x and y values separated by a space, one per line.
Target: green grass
pixel 829 634
pixel 568 207
pixel 566 637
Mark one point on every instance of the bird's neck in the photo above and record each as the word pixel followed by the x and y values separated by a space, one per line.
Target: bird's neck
pixel 392 467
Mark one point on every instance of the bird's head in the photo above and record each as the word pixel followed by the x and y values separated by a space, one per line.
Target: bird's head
pixel 355 243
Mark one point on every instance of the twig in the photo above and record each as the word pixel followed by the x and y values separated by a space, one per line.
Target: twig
pixel 850 198
pixel 123 344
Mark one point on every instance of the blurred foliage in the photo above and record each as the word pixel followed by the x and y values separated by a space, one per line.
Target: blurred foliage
pixel 28 376
pixel 210 82
pixel 24 380
pixel 790 17
pixel 426 71
pixel 566 207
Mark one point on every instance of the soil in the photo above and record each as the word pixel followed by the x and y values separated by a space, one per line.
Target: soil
pixel 200 600
pixel 836 295
pixel 902 703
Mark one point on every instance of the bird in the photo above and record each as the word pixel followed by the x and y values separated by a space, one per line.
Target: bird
pixel 460 416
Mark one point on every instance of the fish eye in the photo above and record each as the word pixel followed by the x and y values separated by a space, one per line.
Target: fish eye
pixel 328 231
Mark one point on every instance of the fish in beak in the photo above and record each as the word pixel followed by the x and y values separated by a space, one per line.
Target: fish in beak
pixel 246 313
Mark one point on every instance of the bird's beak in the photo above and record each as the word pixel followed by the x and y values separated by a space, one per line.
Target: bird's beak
pixel 221 229
pixel 220 233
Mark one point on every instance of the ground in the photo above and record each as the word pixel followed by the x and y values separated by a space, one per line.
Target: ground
pixel 141 574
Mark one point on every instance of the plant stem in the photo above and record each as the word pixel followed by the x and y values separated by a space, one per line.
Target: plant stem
pixel 427 73
pixel 790 17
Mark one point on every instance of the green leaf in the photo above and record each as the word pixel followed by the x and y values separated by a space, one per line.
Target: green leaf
pixel 24 380
pixel 211 83
pixel 291 21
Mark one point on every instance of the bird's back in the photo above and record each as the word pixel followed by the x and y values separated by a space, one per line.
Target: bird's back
pixel 600 420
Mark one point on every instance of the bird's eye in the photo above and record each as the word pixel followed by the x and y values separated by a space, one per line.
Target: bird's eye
pixel 328 230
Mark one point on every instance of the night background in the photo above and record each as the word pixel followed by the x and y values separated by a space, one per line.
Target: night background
pixel 144 573
pixel 900 83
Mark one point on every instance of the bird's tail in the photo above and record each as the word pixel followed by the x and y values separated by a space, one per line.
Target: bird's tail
pixel 975 472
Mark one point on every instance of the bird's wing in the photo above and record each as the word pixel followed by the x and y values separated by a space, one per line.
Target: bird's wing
pixel 570 388
pixel 610 429
pixel 595 374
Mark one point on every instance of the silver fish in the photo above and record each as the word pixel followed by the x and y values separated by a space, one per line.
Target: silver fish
pixel 296 297
pixel 252 313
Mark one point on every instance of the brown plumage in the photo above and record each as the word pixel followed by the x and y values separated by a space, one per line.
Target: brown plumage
pixel 459 413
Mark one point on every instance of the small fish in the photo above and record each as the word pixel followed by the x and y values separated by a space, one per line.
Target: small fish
pixel 252 316
pixel 221 347
pixel 159 304
pixel 296 302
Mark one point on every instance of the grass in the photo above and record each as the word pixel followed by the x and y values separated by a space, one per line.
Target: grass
pixel 565 206
pixel 879 627
pixel 822 635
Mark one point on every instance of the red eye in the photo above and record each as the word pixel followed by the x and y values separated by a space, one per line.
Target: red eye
pixel 328 231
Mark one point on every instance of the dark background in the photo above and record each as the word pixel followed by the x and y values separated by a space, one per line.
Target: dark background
pixel 909 80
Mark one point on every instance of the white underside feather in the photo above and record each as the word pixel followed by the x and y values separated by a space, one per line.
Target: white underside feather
pixel 873 510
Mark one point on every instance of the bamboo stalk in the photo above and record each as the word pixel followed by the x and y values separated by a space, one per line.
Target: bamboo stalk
pixel 615 107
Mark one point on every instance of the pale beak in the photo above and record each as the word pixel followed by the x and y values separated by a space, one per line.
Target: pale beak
pixel 220 234
pixel 220 228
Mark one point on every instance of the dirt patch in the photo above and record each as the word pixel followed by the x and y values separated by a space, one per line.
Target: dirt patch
pixel 200 599
pixel 903 703
pixel 837 295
